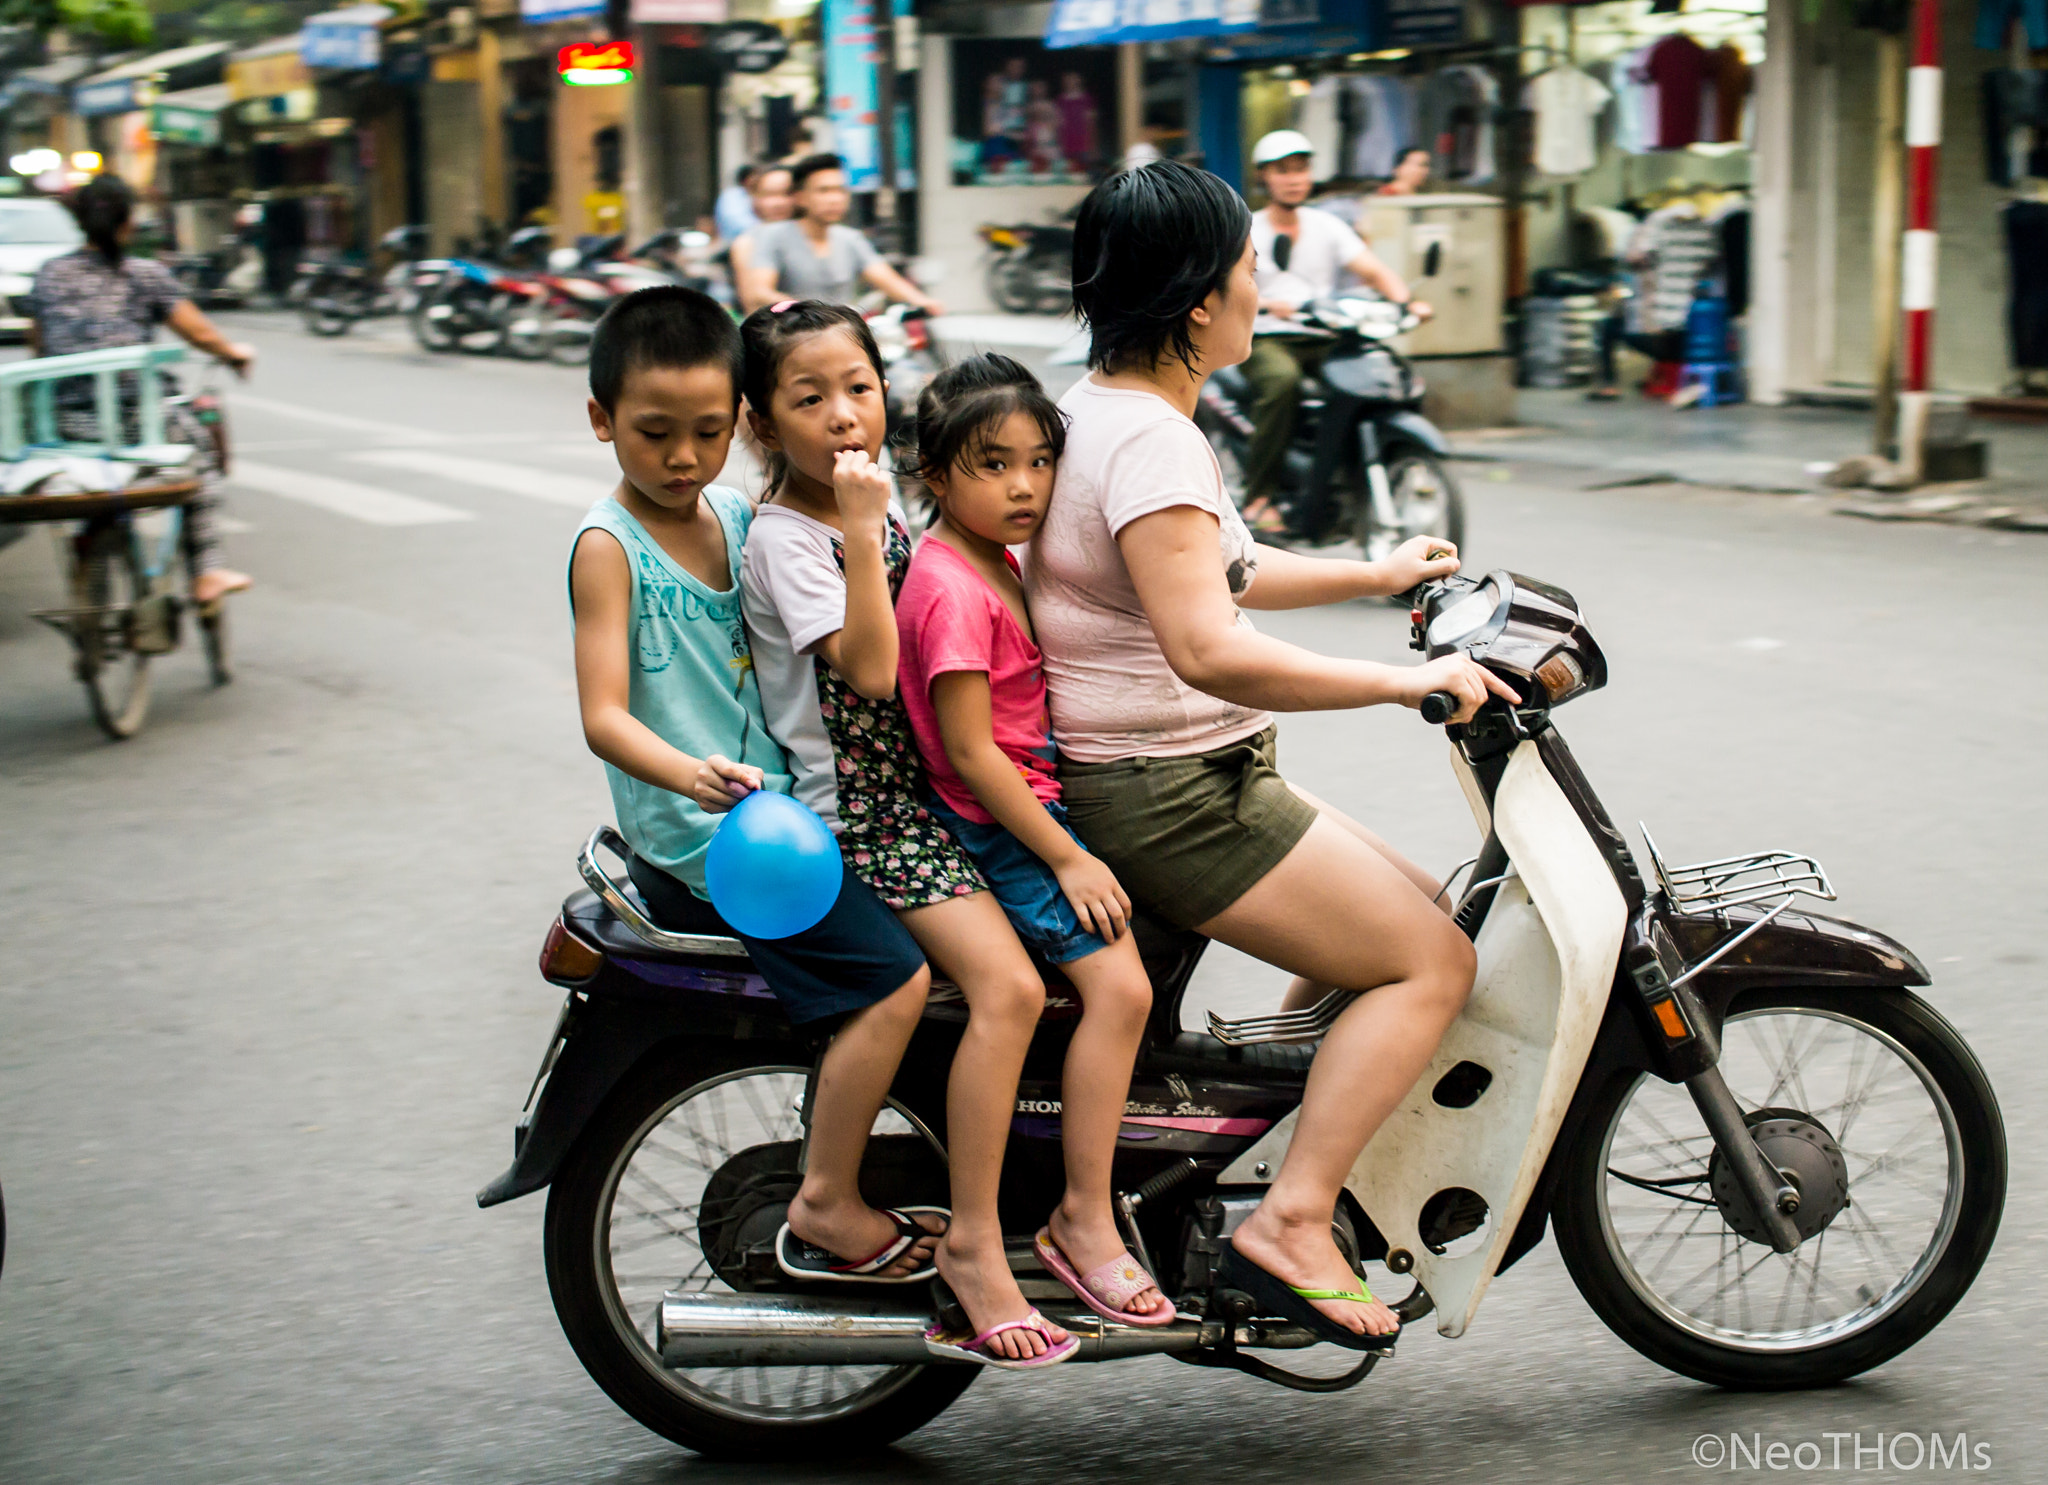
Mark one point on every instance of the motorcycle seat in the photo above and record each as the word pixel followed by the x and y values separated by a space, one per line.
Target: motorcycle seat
pixel 1198 1053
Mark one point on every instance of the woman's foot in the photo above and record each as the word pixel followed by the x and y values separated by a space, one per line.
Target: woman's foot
pixel 1091 1240
pixel 855 1231
pixel 216 583
pixel 1304 1256
pixel 980 1278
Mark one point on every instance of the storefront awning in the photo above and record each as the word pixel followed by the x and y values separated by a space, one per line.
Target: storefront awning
pixel 1106 22
pixel 268 70
pixel 191 116
pixel 47 81
pixel 346 40
pixel 130 86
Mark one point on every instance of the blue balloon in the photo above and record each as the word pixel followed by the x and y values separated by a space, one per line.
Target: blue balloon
pixel 773 868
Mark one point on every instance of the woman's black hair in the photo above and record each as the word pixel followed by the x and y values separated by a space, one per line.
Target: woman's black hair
pixel 102 207
pixel 961 408
pixel 1149 246
pixel 769 334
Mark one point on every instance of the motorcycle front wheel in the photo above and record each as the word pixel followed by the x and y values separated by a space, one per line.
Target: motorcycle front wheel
pixel 1877 1074
pixel 1426 502
pixel 433 322
pixel 1013 284
pixel 683 1157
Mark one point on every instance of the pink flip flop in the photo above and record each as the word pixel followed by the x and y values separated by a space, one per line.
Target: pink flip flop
pixel 1106 1289
pixel 961 1348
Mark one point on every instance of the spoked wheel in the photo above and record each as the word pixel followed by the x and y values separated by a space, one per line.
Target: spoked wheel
pixel 106 587
pixel 1012 284
pixel 433 323
pixel 1426 502
pixel 324 316
pixel 1881 1117
pixel 678 1184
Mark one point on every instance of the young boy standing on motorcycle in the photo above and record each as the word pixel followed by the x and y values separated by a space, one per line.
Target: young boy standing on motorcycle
pixel 670 703
pixel 987 441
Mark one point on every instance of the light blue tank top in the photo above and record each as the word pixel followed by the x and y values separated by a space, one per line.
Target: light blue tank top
pixel 692 682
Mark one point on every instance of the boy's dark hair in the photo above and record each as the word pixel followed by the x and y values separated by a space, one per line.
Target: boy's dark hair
pixel 1149 246
pixel 744 174
pixel 961 408
pixel 810 165
pixel 101 208
pixel 666 326
pixel 767 337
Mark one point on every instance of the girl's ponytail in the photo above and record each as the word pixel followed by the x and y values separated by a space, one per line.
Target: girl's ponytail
pixel 102 207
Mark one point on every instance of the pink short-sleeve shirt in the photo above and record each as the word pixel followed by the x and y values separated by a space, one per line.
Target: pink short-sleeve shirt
pixel 1128 454
pixel 949 619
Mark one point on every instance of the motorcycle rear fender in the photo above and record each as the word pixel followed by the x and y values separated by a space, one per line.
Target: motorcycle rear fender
pixel 609 1029
pixel 1413 425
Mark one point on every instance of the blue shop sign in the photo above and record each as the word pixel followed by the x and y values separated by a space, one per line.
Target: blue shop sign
pixel 95 99
pixel 342 43
pixel 1107 22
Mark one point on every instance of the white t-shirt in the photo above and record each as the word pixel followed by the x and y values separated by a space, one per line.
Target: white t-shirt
pixel 1113 695
pixel 1316 264
pixel 1567 104
pixel 794 594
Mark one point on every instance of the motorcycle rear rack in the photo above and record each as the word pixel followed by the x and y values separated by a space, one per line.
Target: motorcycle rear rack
pixel 1286 1026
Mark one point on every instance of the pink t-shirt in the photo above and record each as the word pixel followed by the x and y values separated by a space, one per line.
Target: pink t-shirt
pixel 1128 455
pixel 950 619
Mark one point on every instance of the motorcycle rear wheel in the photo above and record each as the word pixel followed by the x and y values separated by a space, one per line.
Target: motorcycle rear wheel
pixel 325 317
pixel 633 1189
pixel 108 585
pixel 433 333
pixel 1902 1095
pixel 1013 284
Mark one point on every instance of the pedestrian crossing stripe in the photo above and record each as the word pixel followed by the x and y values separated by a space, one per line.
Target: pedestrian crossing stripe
pixel 514 479
pixel 343 497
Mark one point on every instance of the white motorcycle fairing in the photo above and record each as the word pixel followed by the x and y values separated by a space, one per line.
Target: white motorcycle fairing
pixel 1547 956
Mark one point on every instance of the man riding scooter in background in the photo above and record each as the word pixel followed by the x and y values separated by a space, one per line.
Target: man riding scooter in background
pixel 1303 254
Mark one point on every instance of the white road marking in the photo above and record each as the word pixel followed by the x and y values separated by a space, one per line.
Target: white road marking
pixel 336 420
pixel 516 479
pixel 343 497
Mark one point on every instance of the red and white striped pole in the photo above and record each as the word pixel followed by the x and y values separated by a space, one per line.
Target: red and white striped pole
pixel 1918 249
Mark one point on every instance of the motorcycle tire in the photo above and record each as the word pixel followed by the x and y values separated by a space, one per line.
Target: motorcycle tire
pixel 325 318
pixel 1427 502
pixel 1905 1049
pixel 743 1422
pixel 433 334
pixel 108 585
pixel 1013 284
pixel 573 348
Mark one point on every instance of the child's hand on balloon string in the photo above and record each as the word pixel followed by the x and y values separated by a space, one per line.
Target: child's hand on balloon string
pixel 722 783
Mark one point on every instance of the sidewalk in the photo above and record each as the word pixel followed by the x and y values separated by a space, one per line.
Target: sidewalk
pixel 1769 450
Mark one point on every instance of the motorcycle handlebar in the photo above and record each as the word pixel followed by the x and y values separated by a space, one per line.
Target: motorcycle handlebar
pixel 1438 707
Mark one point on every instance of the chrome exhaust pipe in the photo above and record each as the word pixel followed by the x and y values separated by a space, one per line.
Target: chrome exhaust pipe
pixel 797 1330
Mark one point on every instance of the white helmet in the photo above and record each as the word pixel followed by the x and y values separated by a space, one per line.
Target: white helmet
pixel 1279 145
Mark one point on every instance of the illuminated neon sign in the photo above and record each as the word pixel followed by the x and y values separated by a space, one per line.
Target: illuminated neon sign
pixel 596 64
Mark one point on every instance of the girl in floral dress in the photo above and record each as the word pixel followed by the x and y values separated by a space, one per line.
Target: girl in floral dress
pixel 822 564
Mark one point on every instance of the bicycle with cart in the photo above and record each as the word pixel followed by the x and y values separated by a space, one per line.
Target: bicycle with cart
pixel 128 561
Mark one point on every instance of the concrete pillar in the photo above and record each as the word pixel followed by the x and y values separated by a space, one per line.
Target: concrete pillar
pixel 1130 94
pixel 490 105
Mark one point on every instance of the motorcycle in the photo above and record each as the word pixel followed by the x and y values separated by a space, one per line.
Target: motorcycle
pixel 1364 462
pixel 911 357
pixel 565 303
pixel 1692 1085
pixel 334 293
pixel 466 304
pixel 1029 270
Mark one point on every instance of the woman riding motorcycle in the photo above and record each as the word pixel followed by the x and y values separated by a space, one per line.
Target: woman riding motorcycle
pixel 1162 694
pixel 97 297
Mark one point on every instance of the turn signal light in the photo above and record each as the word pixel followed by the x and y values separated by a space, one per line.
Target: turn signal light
pixel 565 959
pixel 1672 1020
pixel 1561 676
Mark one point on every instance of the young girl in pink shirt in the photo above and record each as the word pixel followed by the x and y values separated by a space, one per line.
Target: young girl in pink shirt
pixel 970 678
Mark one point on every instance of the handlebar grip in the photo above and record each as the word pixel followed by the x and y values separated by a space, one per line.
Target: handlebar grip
pixel 1438 707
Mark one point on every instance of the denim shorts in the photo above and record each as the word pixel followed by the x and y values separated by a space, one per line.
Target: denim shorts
pixel 1024 885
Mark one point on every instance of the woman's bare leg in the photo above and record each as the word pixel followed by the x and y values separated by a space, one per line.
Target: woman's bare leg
pixel 853 1080
pixel 1304 993
pixel 970 942
pixel 1337 912
pixel 1116 996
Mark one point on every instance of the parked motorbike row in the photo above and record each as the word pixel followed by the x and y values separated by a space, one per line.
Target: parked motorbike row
pixel 524 300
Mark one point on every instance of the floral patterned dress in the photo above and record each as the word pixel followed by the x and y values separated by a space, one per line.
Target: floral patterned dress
pixel 892 842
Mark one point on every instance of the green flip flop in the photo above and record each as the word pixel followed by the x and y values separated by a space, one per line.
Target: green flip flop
pixel 1275 1296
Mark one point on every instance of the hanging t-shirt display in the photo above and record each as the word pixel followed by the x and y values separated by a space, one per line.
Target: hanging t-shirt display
pixel 1457 107
pixel 1679 67
pixel 1635 103
pixel 1567 104
pixel 1318 117
pixel 1381 111
pixel 1730 79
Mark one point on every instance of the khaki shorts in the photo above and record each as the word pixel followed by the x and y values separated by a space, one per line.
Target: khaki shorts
pixel 1187 836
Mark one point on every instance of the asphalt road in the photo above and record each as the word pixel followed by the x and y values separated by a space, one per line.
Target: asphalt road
pixel 268 1005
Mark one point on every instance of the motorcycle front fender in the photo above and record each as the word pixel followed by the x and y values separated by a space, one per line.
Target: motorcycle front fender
pixel 1414 426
